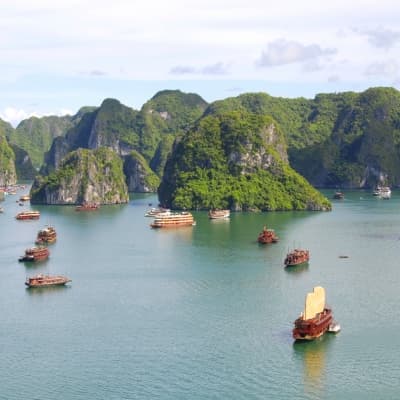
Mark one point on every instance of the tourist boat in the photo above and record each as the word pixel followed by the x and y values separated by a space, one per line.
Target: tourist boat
pixel 338 196
pixel 267 236
pixel 219 214
pixel 28 215
pixel 383 192
pixel 153 212
pixel 173 220
pixel 46 235
pixel 46 280
pixel 1 209
pixel 297 257
pixel 35 254
pixel 87 206
pixel 316 319
pixel 24 198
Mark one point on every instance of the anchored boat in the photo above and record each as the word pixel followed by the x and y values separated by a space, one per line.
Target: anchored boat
pixel 219 214
pixel 46 236
pixel 46 280
pixel 297 257
pixel 267 236
pixel 28 215
pixel 38 253
pixel 173 220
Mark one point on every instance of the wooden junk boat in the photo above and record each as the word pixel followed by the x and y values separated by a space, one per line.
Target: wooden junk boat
pixel 267 236
pixel 28 215
pixel 38 253
pixel 46 280
pixel 316 319
pixel 297 257
pixel 87 206
pixel 219 214
pixel 46 235
pixel 173 220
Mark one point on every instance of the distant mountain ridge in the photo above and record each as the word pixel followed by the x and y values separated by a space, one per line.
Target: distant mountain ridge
pixel 348 140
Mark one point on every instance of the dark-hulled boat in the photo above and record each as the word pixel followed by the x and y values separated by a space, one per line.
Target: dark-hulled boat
pixel 46 280
pixel 316 319
pixel 28 215
pixel 267 236
pixel 46 236
pixel 297 257
pixel 87 206
pixel 38 253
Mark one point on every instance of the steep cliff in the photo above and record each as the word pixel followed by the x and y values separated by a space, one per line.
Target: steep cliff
pixel 235 159
pixel 23 164
pixel 139 176
pixel 150 131
pixel 84 175
pixel 8 174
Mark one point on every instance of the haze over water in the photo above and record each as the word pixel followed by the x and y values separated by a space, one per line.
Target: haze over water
pixel 202 312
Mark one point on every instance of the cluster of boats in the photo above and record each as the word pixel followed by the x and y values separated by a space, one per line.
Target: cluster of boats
pixel 40 252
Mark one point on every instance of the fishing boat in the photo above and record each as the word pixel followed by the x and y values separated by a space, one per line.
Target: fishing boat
pixel 296 257
pixel 87 206
pixel 46 236
pixel 267 236
pixel 173 220
pixel 153 212
pixel 316 319
pixel 219 214
pixel 28 215
pixel 38 253
pixel 46 280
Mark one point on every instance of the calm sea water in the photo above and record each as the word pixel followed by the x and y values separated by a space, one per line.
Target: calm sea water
pixel 202 312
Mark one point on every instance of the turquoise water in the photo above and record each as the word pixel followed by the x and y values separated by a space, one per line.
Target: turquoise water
pixel 202 312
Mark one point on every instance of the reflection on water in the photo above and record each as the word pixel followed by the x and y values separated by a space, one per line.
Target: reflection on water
pixel 313 354
pixel 38 291
pixel 297 268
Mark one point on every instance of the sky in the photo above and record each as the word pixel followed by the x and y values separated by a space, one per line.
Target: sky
pixel 57 56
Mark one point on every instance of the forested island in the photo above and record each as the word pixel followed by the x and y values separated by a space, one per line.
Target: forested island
pixel 250 152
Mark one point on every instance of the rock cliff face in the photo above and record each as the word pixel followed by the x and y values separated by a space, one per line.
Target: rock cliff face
pixel 139 177
pixel 23 164
pixel 149 132
pixel 83 176
pixel 235 160
pixel 8 174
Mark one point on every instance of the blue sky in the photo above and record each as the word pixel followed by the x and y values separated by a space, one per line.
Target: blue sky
pixel 60 55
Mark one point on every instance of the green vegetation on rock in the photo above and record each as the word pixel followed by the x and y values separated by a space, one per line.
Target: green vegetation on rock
pixel 235 159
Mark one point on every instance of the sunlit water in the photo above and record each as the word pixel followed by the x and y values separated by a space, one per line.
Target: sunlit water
pixel 202 312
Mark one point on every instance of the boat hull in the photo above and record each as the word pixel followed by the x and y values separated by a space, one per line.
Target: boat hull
pixel 312 328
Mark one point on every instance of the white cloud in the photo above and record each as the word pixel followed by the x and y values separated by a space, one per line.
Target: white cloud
pixel 380 37
pixel 282 51
pixel 14 116
pixel 385 69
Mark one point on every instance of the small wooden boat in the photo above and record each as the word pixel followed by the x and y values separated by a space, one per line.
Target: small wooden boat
pixel 267 236
pixel 46 280
pixel 296 257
